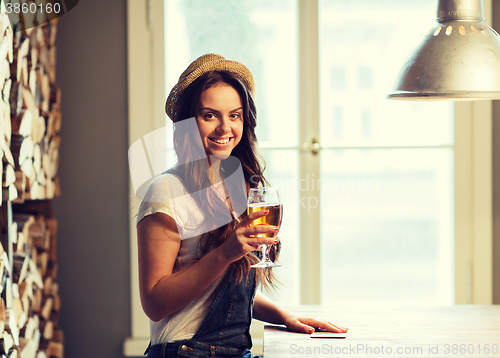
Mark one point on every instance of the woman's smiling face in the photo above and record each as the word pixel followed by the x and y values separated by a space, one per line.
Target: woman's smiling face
pixel 220 120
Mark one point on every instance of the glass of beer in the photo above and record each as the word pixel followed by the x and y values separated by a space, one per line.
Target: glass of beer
pixel 266 198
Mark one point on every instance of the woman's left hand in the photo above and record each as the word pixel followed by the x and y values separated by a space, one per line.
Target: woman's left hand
pixel 309 325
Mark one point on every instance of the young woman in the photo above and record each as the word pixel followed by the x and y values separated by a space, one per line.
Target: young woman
pixel 194 239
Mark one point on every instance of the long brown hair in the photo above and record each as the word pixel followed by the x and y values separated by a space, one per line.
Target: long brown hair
pixel 194 173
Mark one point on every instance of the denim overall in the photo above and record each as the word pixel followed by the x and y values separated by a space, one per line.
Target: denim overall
pixel 224 331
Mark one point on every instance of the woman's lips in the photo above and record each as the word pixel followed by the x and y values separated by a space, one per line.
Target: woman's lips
pixel 221 141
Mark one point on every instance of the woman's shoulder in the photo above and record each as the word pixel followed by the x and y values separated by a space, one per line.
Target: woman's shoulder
pixel 165 184
pixel 159 193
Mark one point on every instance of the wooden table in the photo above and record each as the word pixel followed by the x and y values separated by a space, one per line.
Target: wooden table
pixel 384 331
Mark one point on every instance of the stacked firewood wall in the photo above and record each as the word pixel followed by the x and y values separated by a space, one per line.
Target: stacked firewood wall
pixel 29 144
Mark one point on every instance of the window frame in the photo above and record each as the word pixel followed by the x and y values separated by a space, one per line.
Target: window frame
pixel 146 98
pixel 472 153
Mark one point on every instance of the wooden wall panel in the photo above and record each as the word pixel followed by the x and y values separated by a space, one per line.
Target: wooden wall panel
pixel 30 121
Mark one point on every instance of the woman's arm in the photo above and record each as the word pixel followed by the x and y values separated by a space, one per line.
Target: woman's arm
pixel 162 292
pixel 264 309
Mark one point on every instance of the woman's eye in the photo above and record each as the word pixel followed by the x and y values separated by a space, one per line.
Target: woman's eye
pixel 209 116
pixel 235 116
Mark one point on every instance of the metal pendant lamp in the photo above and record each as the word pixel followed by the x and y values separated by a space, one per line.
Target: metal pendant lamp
pixel 458 59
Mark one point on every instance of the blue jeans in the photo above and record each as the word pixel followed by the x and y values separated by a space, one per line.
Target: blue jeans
pixel 224 331
pixel 195 350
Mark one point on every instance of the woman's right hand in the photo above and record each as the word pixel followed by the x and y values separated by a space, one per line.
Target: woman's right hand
pixel 244 238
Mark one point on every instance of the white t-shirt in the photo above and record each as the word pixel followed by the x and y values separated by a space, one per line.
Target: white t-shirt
pixel 166 194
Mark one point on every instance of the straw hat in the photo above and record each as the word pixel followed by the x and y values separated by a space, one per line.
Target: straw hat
pixel 200 66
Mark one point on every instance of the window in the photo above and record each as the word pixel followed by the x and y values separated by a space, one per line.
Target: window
pixel 387 204
pixel 262 35
pixel 381 166
pixel 338 78
pixel 366 125
pixel 337 131
pixel 365 79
